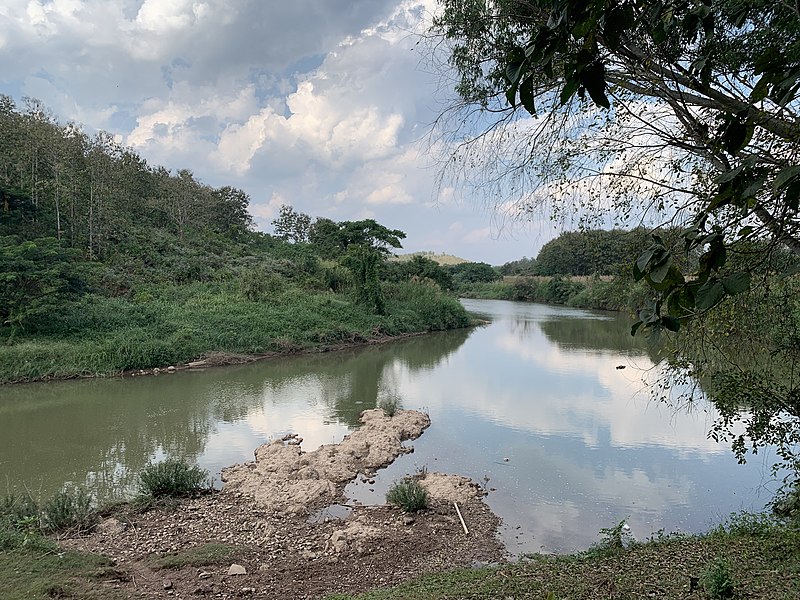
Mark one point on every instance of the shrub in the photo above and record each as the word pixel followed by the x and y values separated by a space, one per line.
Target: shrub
pixel 21 511
pixel 614 538
pixel 716 579
pixel 68 509
pixel 389 406
pixel 408 494
pixel 172 478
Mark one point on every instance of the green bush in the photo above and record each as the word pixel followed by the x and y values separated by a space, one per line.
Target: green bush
pixel 389 405
pixel 717 581
pixel 408 494
pixel 172 479
pixel 69 509
pixel 20 511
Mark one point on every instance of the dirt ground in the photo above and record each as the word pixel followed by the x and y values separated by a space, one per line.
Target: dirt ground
pixel 271 534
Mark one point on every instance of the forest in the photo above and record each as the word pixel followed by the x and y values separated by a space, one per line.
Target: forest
pixel 109 264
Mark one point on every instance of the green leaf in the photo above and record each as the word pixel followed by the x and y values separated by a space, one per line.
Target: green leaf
pixel 593 78
pixel 514 71
pixel 785 176
pixel 761 89
pixel 709 295
pixel 671 323
pixel 511 95
pixel 569 90
pixel 526 95
pixel 635 327
pixel 658 274
pixel 644 259
pixel 730 175
pixel 736 283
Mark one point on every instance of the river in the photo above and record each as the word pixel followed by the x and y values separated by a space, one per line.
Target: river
pixel 535 406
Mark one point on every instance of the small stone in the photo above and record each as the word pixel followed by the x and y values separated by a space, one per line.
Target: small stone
pixel 204 575
pixel 248 590
pixel 408 520
pixel 506 459
pixel 235 569
pixel 170 369
pixel 167 584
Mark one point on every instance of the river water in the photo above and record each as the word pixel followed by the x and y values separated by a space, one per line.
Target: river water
pixel 533 406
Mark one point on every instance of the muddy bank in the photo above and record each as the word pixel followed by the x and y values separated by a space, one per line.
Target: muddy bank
pixel 270 521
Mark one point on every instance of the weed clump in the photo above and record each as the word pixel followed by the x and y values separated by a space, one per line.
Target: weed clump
pixel 68 509
pixel 409 495
pixel 390 406
pixel 172 479
pixel 614 538
pixel 717 580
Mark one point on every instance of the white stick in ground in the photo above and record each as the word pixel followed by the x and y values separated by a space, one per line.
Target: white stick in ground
pixel 460 518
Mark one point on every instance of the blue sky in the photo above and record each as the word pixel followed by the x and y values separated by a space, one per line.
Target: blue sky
pixel 325 106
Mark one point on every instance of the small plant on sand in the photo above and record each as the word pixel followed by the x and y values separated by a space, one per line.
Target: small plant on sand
pixel 615 538
pixel 408 494
pixel 172 479
pixel 69 509
pixel 717 581
pixel 390 405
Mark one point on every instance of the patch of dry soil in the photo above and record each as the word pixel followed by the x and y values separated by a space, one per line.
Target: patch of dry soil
pixel 262 514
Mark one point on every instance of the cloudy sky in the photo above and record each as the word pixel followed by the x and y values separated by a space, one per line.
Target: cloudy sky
pixel 325 105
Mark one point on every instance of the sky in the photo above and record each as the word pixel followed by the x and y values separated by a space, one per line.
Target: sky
pixel 324 105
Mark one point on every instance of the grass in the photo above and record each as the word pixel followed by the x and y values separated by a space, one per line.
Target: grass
pixel 172 479
pixel 27 574
pixel 409 495
pixel 200 556
pixel 173 324
pixel 32 565
pixel 762 558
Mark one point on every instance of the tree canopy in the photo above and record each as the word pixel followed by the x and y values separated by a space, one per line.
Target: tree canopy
pixel 685 108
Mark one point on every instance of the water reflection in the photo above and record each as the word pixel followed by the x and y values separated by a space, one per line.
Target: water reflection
pixel 540 386
pixel 103 432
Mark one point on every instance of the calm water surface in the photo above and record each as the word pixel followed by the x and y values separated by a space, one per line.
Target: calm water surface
pixel 532 405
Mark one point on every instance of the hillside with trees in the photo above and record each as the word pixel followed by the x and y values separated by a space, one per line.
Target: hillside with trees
pixel 108 264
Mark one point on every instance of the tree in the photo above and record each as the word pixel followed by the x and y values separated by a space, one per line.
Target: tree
pixel 420 267
pixel 332 239
pixel 291 225
pixel 364 263
pixel 36 276
pixel 687 107
pixel 473 272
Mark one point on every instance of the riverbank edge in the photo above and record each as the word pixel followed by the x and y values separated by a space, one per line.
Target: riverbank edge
pixel 214 359
pixel 746 556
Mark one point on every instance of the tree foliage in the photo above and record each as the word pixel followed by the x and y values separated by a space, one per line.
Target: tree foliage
pixel 421 268
pixel 291 225
pixel 597 251
pixel 90 193
pixel 687 107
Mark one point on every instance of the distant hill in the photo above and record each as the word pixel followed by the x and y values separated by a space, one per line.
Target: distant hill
pixel 441 258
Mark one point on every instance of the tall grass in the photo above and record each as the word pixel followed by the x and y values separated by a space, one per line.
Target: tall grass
pixel 172 479
pixel 160 326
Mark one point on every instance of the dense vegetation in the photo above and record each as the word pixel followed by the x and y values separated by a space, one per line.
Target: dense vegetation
pixel 109 264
